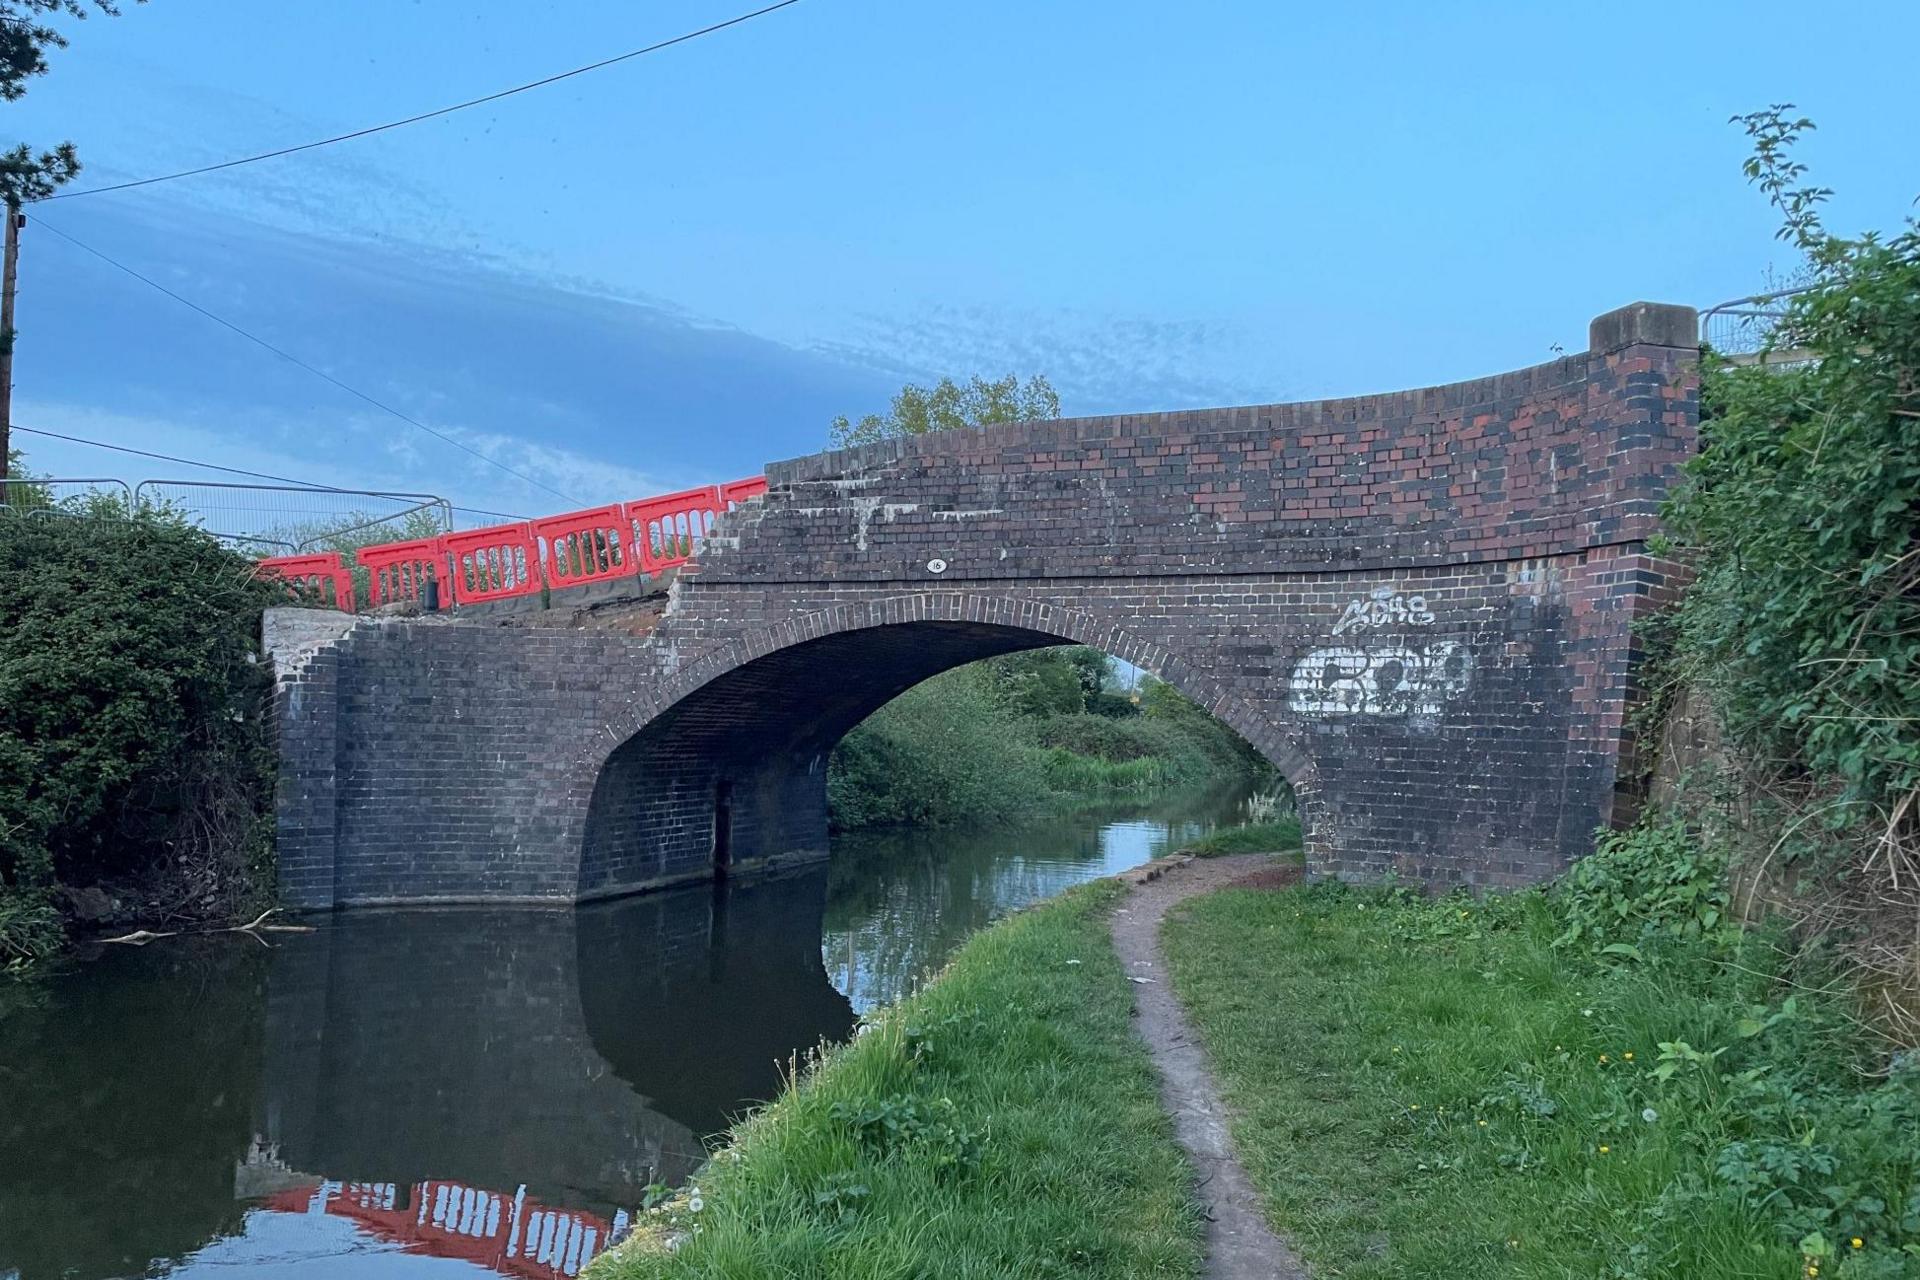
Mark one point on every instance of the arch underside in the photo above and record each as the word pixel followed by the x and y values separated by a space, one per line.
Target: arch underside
pixel 760 734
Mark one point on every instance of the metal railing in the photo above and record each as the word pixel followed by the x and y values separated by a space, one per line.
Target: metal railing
pixel 1749 330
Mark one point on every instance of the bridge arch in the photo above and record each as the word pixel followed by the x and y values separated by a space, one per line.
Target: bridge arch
pixel 731 751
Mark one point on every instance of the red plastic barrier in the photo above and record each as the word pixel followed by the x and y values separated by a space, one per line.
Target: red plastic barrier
pixel 586 546
pixel 495 563
pixel 401 571
pixel 669 528
pixel 509 560
pixel 325 575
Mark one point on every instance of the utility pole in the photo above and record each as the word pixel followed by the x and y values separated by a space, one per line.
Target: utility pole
pixel 8 272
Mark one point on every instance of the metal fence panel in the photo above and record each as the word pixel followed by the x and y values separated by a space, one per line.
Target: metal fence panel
pixel 299 518
pixel 87 495
pixel 1748 330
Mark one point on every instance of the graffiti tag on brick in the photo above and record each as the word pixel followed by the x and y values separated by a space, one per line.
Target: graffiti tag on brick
pixel 1384 607
pixel 1380 680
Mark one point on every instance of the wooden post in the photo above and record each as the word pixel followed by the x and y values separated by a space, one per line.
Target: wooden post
pixel 8 270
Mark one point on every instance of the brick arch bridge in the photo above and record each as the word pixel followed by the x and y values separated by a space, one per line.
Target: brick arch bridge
pixel 1417 605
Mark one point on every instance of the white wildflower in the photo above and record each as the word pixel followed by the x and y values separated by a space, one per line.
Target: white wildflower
pixel 694 1203
pixel 1649 1115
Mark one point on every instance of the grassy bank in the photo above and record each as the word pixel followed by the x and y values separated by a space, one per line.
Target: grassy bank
pixel 1275 835
pixel 1002 1122
pixel 1455 1088
pixel 996 740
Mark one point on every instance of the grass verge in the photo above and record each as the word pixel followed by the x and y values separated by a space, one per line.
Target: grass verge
pixel 1282 835
pixel 1004 1121
pixel 1437 1089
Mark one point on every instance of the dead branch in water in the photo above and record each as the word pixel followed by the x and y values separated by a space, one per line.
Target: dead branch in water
pixel 252 928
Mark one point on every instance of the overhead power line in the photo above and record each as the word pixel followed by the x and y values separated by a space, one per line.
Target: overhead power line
pixel 292 359
pixel 232 471
pixel 167 457
pixel 427 115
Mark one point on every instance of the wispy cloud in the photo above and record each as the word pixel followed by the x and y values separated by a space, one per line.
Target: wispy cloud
pixel 588 479
pixel 368 456
pixel 1099 364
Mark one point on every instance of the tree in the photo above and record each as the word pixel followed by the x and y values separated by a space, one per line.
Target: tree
pixel 25 39
pixel 917 410
pixel 1092 666
pixel 1040 682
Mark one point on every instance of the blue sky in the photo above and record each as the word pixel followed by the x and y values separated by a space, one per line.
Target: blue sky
pixel 676 269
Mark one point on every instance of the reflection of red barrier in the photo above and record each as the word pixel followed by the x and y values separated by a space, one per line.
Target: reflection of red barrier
pixel 496 563
pixel 585 546
pixel 324 575
pixel 513 1235
pixel 732 495
pixel 401 571
pixel 668 529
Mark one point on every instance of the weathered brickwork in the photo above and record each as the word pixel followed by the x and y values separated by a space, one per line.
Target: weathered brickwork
pixel 1418 605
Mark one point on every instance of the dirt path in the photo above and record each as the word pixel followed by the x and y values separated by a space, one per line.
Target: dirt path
pixel 1240 1246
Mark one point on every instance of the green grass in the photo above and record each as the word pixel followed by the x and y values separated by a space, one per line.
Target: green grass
pixel 1435 1089
pixel 1278 836
pixel 1002 1122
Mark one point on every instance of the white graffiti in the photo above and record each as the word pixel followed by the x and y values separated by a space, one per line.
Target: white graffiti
pixel 1384 607
pixel 1381 680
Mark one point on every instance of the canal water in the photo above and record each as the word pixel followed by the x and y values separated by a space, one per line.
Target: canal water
pixel 404 1095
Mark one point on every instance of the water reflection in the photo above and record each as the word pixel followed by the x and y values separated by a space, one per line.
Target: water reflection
pixel 126 1096
pixel 468 1091
pixel 901 901
pixel 509 1235
pixel 492 1087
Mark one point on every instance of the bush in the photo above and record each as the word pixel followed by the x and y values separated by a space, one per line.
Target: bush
pixel 133 744
pixel 1110 739
pixel 1653 879
pixel 29 927
pixel 1801 515
pixel 995 739
pixel 948 750
pixel 1801 521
